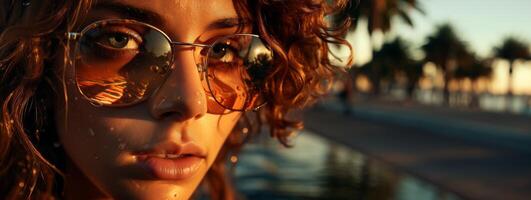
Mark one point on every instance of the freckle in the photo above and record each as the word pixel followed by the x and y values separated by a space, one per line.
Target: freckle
pixel 136 184
pixel 162 102
pixel 234 159
pixel 121 146
pixel 91 132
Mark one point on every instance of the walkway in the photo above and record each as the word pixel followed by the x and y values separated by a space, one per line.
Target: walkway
pixel 477 156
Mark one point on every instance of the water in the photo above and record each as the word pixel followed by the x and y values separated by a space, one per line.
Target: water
pixel 316 168
pixel 518 104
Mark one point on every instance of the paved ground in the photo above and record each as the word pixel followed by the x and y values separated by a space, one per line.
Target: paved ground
pixel 516 123
pixel 502 130
pixel 471 167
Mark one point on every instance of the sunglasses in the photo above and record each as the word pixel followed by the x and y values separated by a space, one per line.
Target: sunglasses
pixel 122 62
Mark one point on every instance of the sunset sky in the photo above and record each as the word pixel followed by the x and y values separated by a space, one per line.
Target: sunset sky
pixel 483 24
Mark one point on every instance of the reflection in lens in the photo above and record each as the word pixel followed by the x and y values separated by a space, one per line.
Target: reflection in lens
pixel 118 77
pixel 235 83
pixel 122 62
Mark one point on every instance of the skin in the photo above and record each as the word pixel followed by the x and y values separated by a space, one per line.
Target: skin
pixel 100 141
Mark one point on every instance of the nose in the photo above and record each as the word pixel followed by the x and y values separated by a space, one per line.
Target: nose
pixel 182 94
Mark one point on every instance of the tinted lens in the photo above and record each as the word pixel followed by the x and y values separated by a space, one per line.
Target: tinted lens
pixel 236 68
pixel 120 62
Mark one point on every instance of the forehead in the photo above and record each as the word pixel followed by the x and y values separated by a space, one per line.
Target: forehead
pixel 179 16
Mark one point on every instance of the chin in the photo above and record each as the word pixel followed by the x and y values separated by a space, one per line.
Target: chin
pixel 154 189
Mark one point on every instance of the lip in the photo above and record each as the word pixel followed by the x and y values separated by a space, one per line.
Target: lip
pixel 170 161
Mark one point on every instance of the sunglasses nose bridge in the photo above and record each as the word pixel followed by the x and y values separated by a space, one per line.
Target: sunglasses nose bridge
pixel 192 46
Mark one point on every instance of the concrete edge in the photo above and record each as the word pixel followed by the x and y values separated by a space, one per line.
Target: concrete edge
pixel 467 130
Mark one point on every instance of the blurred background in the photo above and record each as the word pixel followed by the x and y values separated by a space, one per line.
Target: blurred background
pixel 436 106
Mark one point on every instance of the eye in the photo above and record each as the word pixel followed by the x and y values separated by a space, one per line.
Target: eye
pixel 119 39
pixel 223 52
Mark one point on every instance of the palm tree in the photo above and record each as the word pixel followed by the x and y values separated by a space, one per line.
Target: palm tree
pixel 397 57
pixel 473 68
pixel 512 49
pixel 379 13
pixel 392 58
pixel 445 49
pixel 375 71
pixel 413 72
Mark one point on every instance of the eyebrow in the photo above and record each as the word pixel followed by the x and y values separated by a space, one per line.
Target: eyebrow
pixel 229 23
pixel 130 12
pixel 151 17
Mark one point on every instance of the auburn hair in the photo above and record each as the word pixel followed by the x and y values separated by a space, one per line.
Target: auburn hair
pixel 32 162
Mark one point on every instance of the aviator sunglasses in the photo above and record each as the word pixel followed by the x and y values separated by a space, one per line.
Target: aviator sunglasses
pixel 122 62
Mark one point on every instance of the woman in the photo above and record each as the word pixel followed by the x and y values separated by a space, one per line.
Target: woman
pixel 135 99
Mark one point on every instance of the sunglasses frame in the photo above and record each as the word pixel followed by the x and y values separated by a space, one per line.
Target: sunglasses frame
pixel 202 68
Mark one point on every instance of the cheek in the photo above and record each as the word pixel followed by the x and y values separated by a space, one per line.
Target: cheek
pixel 94 141
pixel 89 139
pixel 215 131
pixel 83 132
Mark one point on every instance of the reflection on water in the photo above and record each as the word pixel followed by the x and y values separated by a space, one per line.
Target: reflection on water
pixel 319 169
pixel 520 104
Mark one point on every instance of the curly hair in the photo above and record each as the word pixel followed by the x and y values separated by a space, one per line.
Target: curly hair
pixel 31 164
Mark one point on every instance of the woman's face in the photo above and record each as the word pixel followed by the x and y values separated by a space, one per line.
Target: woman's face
pixel 162 147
